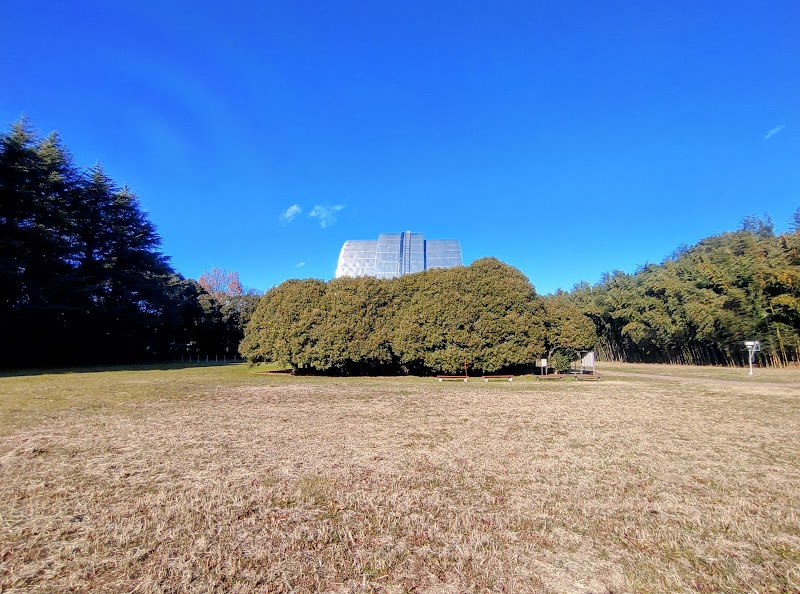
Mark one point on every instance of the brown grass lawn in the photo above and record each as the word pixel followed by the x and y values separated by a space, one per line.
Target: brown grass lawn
pixel 221 480
pixel 761 375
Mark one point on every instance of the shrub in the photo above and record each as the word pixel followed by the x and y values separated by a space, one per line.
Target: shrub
pixel 562 359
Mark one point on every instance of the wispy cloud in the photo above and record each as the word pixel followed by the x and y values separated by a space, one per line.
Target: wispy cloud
pixel 291 213
pixel 774 131
pixel 326 215
pixel 301 264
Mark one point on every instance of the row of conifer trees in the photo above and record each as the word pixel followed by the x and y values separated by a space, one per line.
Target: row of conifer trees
pixel 82 276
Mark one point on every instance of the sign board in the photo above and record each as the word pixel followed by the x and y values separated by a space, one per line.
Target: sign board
pixel 543 363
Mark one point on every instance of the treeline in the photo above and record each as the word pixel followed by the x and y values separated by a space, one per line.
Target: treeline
pixel 696 307
pixel 83 281
pixel 486 314
pixel 701 303
pixel 82 277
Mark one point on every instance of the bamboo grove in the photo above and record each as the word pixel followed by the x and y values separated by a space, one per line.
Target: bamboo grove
pixel 701 303
pixel 82 278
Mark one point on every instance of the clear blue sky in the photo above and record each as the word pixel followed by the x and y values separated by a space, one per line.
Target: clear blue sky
pixel 567 138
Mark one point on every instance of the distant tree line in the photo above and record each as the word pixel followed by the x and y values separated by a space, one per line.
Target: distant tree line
pixel 83 281
pixel 486 314
pixel 82 277
pixel 697 307
pixel 702 302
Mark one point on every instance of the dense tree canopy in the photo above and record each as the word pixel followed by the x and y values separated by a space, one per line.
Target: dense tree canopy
pixel 700 304
pixel 567 329
pixel 235 304
pixel 487 315
pixel 83 280
pixel 82 277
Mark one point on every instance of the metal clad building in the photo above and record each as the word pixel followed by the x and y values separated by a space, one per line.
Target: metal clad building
pixel 396 254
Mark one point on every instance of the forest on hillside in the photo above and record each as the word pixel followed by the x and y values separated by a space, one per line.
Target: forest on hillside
pixel 82 276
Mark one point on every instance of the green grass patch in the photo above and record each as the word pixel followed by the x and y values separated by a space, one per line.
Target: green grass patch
pixel 31 397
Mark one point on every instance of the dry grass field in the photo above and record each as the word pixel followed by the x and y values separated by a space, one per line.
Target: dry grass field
pixel 219 479
pixel 761 376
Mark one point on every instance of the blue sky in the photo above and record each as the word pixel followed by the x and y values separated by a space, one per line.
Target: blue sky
pixel 567 138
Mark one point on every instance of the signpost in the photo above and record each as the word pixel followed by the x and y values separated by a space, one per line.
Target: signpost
pixel 753 347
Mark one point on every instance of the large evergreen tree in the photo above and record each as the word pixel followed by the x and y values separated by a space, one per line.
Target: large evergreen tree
pixel 82 276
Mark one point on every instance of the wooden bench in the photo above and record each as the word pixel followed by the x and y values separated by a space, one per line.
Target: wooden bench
pixel 587 377
pixel 555 376
pixel 509 378
pixel 451 377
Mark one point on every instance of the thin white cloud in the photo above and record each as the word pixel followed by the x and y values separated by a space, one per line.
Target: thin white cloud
pixel 325 214
pixel 301 264
pixel 774 131
pixel 291 213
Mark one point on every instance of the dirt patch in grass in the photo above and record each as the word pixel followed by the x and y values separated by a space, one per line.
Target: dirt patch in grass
pixel 762 376
pixel 407 485
pixel 701 380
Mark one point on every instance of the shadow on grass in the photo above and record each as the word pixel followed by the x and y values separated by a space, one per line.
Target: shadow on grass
pixel 163 366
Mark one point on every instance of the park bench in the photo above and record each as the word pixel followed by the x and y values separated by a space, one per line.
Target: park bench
pixel 555 376
pixel 509 378
pixel 451 377
pixel 587 377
